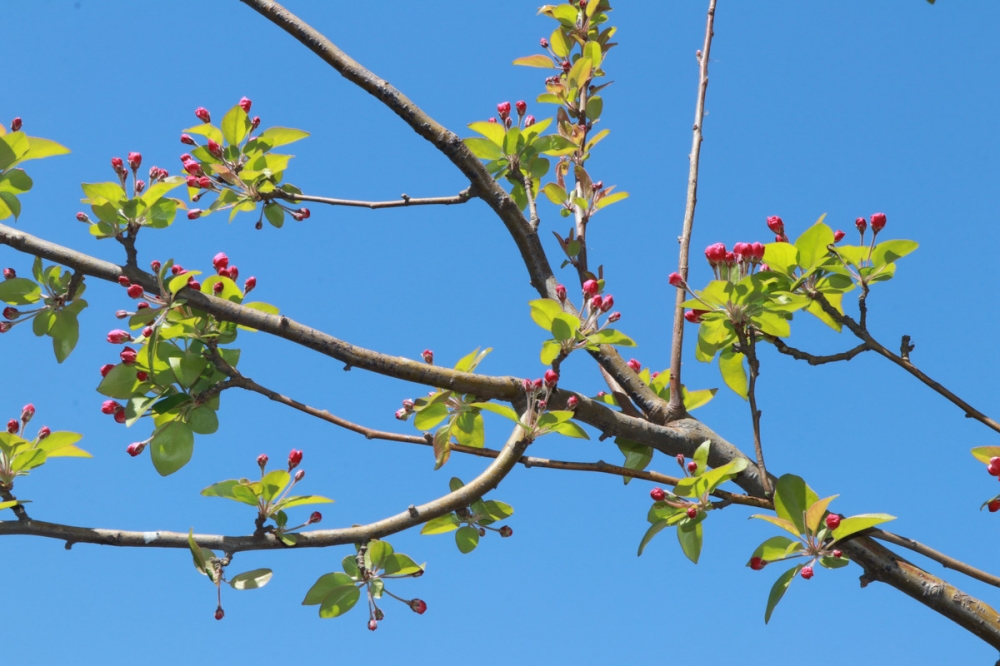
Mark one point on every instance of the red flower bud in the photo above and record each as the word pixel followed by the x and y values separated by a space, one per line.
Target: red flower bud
pixel 657 494
pixel 833 521
pixel 607 303
pixel 994 466
pixel 839 553
pixel 15 125
pixel 110 407
pixel 135 448
pixel 503 108
pixel 715 253
pixel 214 148
pixel 757 251
pixel 128 355
pixel 5 326
pixel 304 212
pixel 571 402
pixel 596 302
pixel 294 458
pixel 692 466
pixel 83 217
pixel 544 42
pixel 537 384
pixel 807 572
pixel 220 261
pixel 219 613
pixel 27 412
pixel 635 365
pixel 218 287
pixel 680 459
pixel 506 531
pixel 529 121
pixel 250 283
pixel 232 272
pixel 194 284
pixel 757 564
pixel 205 183
pixel 117 164
pixel 148 331
pixel 176 269
pixel 692 511
pixel 566 65
pixel 245 104
pixel 838 236
pixel 194 213
pixel 590 288
pixel 43 432
pixel 315 517
pixel 428 356
pixel 508 122
pixel 676 280
pixel 878 222
pixel 861 224
pixel 118 336
pixel 13 426
pixel 186 139
pixel 560 292
pixel 9 274
pixel 542 405
pixel 492 120
pixel 140 185
pixel 694 316
pixel 136 291
pixel 614 316
pixel 262 461
pixel 551 377
pixel 775 224
pixel 106 368
pixel 142 305
pixel 372 625
pixel 121 314
pixel 521 107
pixel 11 313
pixel 203 114
pixel 141 376
pixel 193 168
pixel 418 606
pixel 255 123
pixel 192 181
pixel 124 281
pixel 135 160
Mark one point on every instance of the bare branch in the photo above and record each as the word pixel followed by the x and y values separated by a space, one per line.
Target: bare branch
pixel 813 359
pixel 748 345
pixel 677 342
pixel 941 558
pixel 404 200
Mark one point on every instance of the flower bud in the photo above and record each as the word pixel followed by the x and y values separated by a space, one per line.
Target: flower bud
pixel 775 224
pixel 136 291
pixel 142 305
pixel 878 222
pixel 839 553
pixel 110 407
pixel 135 448
pixel 118 336
pixel 692 467
pixel 560 292
pixel 590 288
pixel 304 212
pixel 193 168
pixel 9 274
pixel 15 125
pixel 529 121
pixel 757 564
pixel 838 236
pixel 140 185
pixel 372 625
pixel 255 123
pixel 544 43
pixel 491 120
pixel 508 122
pixel 680 459
pixel 299 475
pixel 186 139
pixel 614 316
pixel 250 283
pixel 833 521
pixel 214 148
pixel 135 160
pixel 220 261
pixel 692 511
pixel 861 224
pixel 506 531
pixel 676 280
pixel 141 376
pixel 694 316
pixel 503 108
pixel 428 356
pixel 245 104
pixel 27 412
pixel 537 384
pixel 83 217
pixel 217 288
pixel 194 213
pixel 807 572
pixel 118 165
pixel 106 368
pixel 635 365
pixel 128 355
pixel 148 331
pixel 13 426
pixel 528 386
pixel 203 114
pixel 551 377
pixel 521 107
pixel 219 613
pixel 607 303
pixel 542 405
pixel 5 326
pixel 205 183
pixel 11 313
pixel 571 402
pixel 657 494
pixel 294 458
pixel 314 517
pixel 193 284
pixel 715 253
pixel 43 432
pixel 596 302
pixel 402 414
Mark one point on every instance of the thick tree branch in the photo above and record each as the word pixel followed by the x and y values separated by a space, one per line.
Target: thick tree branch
pixel 677 342
pixel 463 497
pixel 402 202
pixel 941 558
pixel 862 333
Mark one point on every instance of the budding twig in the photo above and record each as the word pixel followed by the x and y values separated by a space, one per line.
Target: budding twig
pixel 677 343
pixel 460 198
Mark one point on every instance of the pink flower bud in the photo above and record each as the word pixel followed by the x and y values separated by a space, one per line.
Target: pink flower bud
pixel 994 466
pixel 124 281
pixel 731 258
pixel 220 261
pixel 135 448
pixel 43 433
pixel 692 511
pixel 11 313
pixel 186 139
pixel 833 521
pixel 635 365
pixel 492 120
pixel 218 287
pixel 13 426
pixel 304 212
pixel 9 274
pixel 148 331
pixel 590 288
pixel 140 185
pixel 418 606
pixel 528 386
pixel 838 236
pixel 5 326
pixel 315 517
pixel 541 407
pixel 566 65
pixel 676 280
pixel 299 475
pixel 715 253
pixel 521 107
pixel 596 302
pixel 537 384
pixel 118 336
pixel 176 269
pixel 142 305
pixel 205 183
pixel 544 43
pixel 657 494
pixel 194 284
pixel 255 123
pixel 128 355
pixel 607 303
pixel 401 414
pixel 250 283
pixel 194 213
pixel 193 168
pixel 551 377
pixel 508 121
pixel 878 222
pixel 110 407
pixel 614 316
pixel 692 467
pixel 245 104
pixel 203 114
pixel 775 224
pixel 27 412
pixel 428 356
pixel 861 224
pixel 106 368
pixel 294 458
pixel 117 164
pixel 135 160
pixel 192 181
pixel 839 553
pixel 529 121
pixel 571 402
pixel 136 291
pixel 15 125
pixel 214 148
pixel 372 625
pixel 807 572
pixel 503 108
pixel 83 217
pixel 757 251
pixel 694 316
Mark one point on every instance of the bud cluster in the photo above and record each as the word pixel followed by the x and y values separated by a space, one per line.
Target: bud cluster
pixel 733 266
pixel 505 119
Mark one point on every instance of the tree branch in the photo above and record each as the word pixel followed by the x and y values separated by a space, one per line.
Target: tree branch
pixel 813 359
pixel 677 342
pixel 463 497
pixel 748 345
pixel 941 558
pixel 404 200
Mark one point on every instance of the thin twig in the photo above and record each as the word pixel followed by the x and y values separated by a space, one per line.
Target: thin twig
pixel 529 192
pixel 748 345
pixel 941 558
pixel 813 359
pixel 677 343
pixel 905 363
pixel 404 200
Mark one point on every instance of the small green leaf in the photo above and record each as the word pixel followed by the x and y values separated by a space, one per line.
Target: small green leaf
pixel 399 564
pixel 778 590
pixel 20 291
pixel 442 524
pixel 791 499
pixel 854 524
pixel 428 417
pixel 539 60
pixel 467 538
pixel 484 149
pixel 543 311
pixel 689 535
pixel 812 245
pixel 502 410
pixel 733 372
pixel 653 530
pixel 280 136
pixel 251 580
pixel 324 585
pixel 235 125
pixel 171 447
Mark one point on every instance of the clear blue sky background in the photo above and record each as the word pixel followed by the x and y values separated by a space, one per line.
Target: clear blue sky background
pixel 842 108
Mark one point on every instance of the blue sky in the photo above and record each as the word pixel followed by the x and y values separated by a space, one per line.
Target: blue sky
pixel 837 108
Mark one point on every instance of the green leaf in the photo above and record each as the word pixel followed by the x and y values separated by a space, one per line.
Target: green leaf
pixel 781 257
pixel 251 580
pixel 555 194
pixel 854 524
pixel 610 336
pixel 20 291
pixel 65 332
pixel 235 125
pixel 791 499
pixel 502 410
pixel 39 148
pixel 203 420
pixel 119 383
pixel 733 372
pixel 570 429
pixel 786 525
pixel 468 429
pixel 637 456
pixel 689 535
pixel 815 513
pixel 539 60
pixel 280 136
pixel 223 489
pixel 171 447
pixel 467 538
pixel 776 548
pixel 653 530
pixel 324 585
pixel 984 453
pixel 273 483
pixel 9 205
pixel 275 215
pixel 484 149
pixel 442 524
pixel 564 326
pixel 772 323
pixel 812 245
pixel 431 415
pixel 611 198
pixel 550 351
pixel 398 564
pixel 544 310
pixel 302 500
pixel 889 251
pixel 377 552
pixel 339 601
pixel 778 590
pixel 817 310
